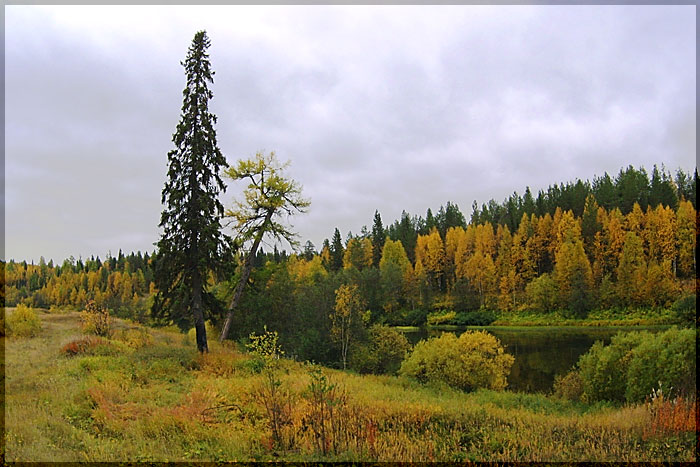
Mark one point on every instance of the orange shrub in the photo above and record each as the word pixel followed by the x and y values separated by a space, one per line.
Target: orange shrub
pixel 80 346
pixel 670 417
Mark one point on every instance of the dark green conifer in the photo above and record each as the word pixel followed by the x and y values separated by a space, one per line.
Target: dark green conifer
pixel 192 244
pixel 378 239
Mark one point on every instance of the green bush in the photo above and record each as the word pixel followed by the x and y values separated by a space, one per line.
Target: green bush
pixel 542 293
pixel 684 310
pixel 569 386
pixel 473 360
pixel 667 360
pixel 382 354
pixel 604 367
pixel 636 363
pixel 23 322
pixel 415 317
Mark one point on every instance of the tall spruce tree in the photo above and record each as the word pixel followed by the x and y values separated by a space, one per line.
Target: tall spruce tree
pixel 192 245
pixel 378 238
pixel 337 251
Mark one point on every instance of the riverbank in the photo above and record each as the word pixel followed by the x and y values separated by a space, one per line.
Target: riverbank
pixel 596 318
pixel 147 395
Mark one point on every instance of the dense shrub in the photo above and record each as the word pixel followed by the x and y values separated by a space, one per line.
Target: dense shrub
pixel 604 367
pixel 684 310
pixel 636 363
pixel 569 386
pixel 470 361
pixel 382 354
pixel 441 317
pixel 666 359
pixel 96 320
pixel 23 322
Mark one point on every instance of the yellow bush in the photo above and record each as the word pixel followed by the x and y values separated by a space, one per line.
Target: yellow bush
pixel 473 360
pixel 23 322
pixel 135 337
pixel 442 317
pixel 96 320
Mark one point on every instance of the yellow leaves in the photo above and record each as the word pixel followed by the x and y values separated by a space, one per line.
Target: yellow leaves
pixel 348 306
pixel 634 221
pixel 305 272
pixel 430 254
pixel 660 233
pixel 481 271
pixel 472 360
pixel 615 235
pixel 269 192
pixel 358 254
pixel 394 253
pixel 659 286
pixel 484 240
pixel 686 229
pixel 568 229
pixel 632 270
pixel 570 260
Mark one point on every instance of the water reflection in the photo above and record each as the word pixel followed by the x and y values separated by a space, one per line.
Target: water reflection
pixel 540 352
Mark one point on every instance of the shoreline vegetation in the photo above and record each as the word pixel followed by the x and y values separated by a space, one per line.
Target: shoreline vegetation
pixel 146 394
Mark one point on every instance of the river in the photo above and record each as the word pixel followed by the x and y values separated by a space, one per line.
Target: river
pixel 540 352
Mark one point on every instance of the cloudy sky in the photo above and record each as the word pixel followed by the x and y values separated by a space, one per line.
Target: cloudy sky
pixel 386 108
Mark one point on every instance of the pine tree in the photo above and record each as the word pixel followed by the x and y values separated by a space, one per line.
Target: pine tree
pixel 192 244
pixel 378 238
pixel 337 251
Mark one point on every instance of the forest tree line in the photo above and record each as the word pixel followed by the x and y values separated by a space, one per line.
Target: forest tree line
pixel 602 257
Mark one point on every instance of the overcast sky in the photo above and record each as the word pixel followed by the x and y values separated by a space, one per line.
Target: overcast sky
pixel 386 108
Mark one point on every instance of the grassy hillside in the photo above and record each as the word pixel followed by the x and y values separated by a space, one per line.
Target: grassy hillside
pixel 146 394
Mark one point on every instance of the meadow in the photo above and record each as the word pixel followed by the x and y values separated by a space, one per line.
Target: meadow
pixel 146 394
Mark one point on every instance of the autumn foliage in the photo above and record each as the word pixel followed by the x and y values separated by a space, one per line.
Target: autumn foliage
pixel 670 416
pixel 96 320
pixel 473 360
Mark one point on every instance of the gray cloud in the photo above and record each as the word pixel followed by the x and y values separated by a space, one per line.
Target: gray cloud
pixel 386 108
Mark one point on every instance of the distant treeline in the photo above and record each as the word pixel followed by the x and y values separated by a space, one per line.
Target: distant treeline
pixel 627 242
pixel 120 283
pixel 630 186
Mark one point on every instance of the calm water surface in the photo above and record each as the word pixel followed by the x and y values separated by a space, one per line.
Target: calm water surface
pixel 540 352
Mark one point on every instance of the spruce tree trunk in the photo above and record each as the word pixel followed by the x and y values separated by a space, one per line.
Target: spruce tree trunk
pixel 245 274
pixel 200 328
